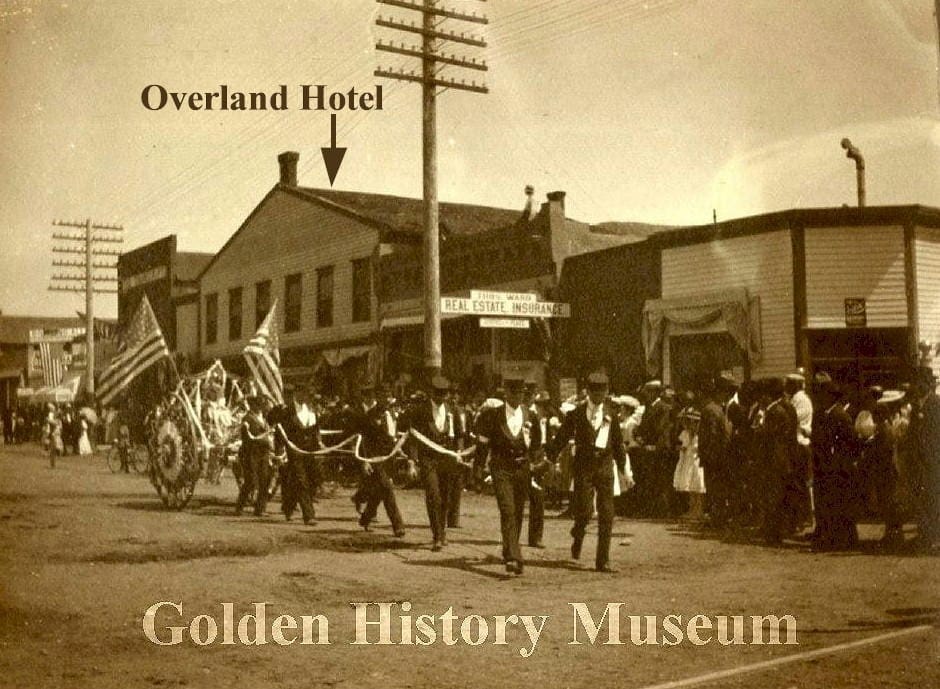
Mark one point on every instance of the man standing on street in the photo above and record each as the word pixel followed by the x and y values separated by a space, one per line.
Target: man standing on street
pixel 595 428
pixel 437 421
pixel 924 434
pixel 512 438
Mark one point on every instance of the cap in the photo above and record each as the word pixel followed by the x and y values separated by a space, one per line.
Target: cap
pixel 627 401
pixel 925 374
pixel 366 385
pixel 440 383
pixel 796 377
pixel 652 384
pixel 598 379
pixel 514 384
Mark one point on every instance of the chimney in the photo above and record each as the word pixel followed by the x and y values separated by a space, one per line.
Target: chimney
pixel 557 197
pixel 288 162
pixel 529 211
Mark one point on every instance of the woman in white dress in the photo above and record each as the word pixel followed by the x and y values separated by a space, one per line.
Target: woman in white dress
pixel 689 476
pixel 84 444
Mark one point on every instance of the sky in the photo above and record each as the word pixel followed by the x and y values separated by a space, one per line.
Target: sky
pixel 658 111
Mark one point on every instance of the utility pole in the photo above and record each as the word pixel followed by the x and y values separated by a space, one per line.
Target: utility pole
pixel 85 243
pixel 432 34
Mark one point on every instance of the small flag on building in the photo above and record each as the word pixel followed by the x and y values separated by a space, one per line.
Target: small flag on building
pixel 264 360
pixel 143 346
pixel 52 368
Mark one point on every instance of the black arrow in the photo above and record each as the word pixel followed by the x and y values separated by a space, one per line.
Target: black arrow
pixel 332 156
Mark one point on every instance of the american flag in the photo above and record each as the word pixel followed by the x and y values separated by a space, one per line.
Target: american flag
pixel 143 346
pixel 264 360
pixel 52 368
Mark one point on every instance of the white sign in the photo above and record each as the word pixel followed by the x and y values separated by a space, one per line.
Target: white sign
pixel 143 278
pixel 520 323
pixel 485 307
pixel 502 296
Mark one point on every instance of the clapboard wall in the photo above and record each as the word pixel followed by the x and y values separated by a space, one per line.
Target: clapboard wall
pixel 763 264
pixel 855 262
pixel 927 276
pixel 288 234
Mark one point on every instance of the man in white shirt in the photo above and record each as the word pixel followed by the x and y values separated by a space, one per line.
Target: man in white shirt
pixel 802 470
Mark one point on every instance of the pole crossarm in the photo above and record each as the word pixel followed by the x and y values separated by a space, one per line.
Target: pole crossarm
pixel 94 278
pixel 79 238
pixel 436 11
pixel 95 252
pixel 447 83
pixel 81 225
pixel 431 33
pixel 415 51
pixel 82 264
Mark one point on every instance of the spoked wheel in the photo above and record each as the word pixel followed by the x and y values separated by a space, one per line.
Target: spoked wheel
pixel 175 461
pixel 140 458
pixel 114 459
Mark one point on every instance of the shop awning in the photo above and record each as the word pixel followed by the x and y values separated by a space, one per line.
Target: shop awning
pixel 410 319
pixel 10 373
pixel 733 309
pixel 339 356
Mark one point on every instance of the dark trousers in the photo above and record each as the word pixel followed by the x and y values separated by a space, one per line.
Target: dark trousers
pixel 511 485
pixel 536 514
pixel 718 495
pixel 457 479
pixel 256 471
pixel 835 511
pixel 588 481
pixel 377 487
pixel 437 488
pixel 299 486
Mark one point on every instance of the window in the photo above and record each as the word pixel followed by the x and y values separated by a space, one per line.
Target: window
pixel 262 301
pixel 361 290
pixel 212 318
pixel 325 297
pixel 292 299
pixel 234 314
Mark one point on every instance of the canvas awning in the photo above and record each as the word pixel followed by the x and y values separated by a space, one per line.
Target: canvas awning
pixel 339 356
pixel 733 310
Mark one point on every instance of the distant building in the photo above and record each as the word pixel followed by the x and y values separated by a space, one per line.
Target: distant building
pixel 20 341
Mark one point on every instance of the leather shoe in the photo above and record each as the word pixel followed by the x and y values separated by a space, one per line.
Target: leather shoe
pixel 399 533
pixel 436 546
pixel 606 569
pixel 576 549
pixel 539 545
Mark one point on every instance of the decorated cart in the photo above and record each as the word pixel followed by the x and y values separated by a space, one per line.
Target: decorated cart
pixel 193 433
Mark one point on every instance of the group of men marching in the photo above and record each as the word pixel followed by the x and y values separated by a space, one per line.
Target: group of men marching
pixel 516 436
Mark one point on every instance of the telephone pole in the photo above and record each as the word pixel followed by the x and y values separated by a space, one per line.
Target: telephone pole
pixel 85 243
pixel 434 14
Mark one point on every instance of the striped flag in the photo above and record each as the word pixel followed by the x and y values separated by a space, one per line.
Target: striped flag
pixel 264 360
pixel 52 368
pixel 143 346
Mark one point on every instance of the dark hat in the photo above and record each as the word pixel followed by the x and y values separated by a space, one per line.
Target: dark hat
pixel 822 378
pixel 440 382
pixel 598 379
pixel 726 381
pixel 366 385
pixel 514 384
pixel 542 397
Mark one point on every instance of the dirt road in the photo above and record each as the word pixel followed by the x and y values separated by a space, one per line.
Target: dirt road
pixel 84 553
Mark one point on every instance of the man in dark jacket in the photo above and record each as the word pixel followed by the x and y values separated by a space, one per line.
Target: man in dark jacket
pixel 438 422
pixel 375 423
pixel 595 428
pixel 301 476
pixel 924 434
pixel 512 435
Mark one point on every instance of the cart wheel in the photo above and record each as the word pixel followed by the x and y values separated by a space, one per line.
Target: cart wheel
pixel 140 458
pixel 114 459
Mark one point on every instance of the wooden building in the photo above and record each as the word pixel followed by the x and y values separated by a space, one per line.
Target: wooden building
pixel 851 291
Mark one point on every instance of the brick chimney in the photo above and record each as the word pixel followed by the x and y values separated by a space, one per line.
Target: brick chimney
pixel 288 162
pixel 557 197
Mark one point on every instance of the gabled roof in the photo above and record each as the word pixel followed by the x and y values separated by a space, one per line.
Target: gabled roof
pixel 15 329
pixel 405 214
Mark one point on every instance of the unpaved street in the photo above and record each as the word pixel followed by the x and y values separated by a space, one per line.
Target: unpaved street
pixel 85 553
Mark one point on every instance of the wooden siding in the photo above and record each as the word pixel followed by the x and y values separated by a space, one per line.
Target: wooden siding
pixel 187 329
pixel 761 263
pixel 855 262
pixel 927 274
pixel 289 235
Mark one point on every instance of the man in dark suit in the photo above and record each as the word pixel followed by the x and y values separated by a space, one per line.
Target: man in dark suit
pixel 511 433
pixel 257 446
pixel 375 423
pixel 924 434
pixel 437 420
pixel 541 469
pixel 301 475
pixel 595 428
pixel 834 454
